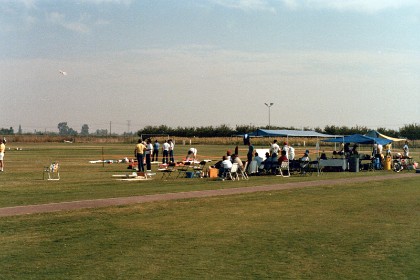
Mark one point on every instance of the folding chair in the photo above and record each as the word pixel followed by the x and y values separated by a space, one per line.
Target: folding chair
pixel 305 168
pixel 52 171
pixel 183 169
pixel 167 172
pixel 242 172
pixel 199 169
pixel 283 167
pixel 232 173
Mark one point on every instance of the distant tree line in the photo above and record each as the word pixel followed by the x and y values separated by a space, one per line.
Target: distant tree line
pixel 410 131
pixel 5 131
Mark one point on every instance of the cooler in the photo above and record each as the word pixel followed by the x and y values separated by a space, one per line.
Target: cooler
pixel 213 172
pixel 387 163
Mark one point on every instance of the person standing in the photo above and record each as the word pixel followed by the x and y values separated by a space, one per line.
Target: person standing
pixel 155 154
pixel 286 149
pixel 274 149
pixel 388 150
pixel 139 154
pixel 2 149
pixel 171 150
pixel 406 150
pixel 149 150
pixel 380 148
pixel 291 153
pixel 165 152
pixel 250 152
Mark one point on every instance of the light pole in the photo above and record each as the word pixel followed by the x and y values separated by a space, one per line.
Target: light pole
pixel 269 113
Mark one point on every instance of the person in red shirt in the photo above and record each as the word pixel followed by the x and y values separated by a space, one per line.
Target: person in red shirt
pixel 283 157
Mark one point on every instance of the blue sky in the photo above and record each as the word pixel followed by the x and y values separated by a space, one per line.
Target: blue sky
pixel 209 62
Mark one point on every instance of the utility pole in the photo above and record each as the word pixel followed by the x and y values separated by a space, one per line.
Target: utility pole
pixel 128 126
pixel 269 113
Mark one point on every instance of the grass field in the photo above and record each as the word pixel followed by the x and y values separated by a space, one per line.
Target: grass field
pixel 352 231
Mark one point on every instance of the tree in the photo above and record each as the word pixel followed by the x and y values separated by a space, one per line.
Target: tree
pixel 411 131
pixel 85 130
pixel 6 131
pixel 64 129
pixel 101 132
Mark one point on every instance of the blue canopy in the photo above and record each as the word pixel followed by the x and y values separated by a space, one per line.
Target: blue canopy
pixel 288 133
pixel 359 139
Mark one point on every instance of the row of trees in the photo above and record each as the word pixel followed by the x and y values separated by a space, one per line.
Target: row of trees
pixel 410 131
pixel 64 129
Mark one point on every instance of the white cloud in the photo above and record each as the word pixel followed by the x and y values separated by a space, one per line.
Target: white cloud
pixel 365 6
pixel 76 26
pixel 246 5
pixel 125 2
pixel 362 6
pixel 32 3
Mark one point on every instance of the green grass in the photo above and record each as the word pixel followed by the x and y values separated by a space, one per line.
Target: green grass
pixel 22 183
pixel 364 231
pixel 348 231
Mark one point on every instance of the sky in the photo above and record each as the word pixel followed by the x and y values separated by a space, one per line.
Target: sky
pixel 193 63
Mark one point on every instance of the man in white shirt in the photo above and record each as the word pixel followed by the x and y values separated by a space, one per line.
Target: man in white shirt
pixel 274 149
pixel 165 152
pixel 148 153
pixel 171 150
pixel 380 148
pixel 291 153
pixel 406 149
pixel 226 165
pixel 191 154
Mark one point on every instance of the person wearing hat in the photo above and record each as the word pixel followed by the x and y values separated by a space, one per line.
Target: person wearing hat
pixel 305 156
pixel 250 153
pixel 229 155
pixel 304 162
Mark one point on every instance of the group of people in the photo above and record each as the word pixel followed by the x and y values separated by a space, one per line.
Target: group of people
pixel 274 157
pixel 150 152
pixel 379 152
pixel 227 162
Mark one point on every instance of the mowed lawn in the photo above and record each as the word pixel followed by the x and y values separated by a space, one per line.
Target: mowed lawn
pixel 348 231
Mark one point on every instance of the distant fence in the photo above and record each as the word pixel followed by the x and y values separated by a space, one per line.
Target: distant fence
pixel 234 140
pixel 34 138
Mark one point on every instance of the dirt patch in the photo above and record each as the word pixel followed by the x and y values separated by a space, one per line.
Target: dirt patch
pixel 96 203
